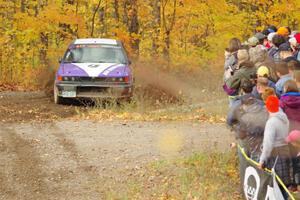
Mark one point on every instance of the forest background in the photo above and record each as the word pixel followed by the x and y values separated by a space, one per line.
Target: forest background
pixel 177 34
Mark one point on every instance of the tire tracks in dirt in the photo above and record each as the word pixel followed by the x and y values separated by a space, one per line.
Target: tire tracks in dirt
pixel 26 182
pixel 84 175
pixel 70 147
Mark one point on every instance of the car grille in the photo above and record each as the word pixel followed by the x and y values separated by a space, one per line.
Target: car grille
pixel 95 79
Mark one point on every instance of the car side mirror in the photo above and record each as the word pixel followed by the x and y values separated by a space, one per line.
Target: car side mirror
pixel 129 62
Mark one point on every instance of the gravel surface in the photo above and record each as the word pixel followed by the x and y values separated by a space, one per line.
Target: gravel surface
pixel 80 159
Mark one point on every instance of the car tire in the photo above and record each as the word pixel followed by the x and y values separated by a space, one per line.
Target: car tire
pixel 57 99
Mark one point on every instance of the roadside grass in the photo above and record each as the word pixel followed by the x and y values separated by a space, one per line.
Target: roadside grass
pixel 136 111
pixel 201 176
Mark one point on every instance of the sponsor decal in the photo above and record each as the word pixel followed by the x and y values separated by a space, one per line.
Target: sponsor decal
pixel 93 65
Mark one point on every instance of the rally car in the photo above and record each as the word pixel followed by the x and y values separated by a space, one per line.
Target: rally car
pixel 94 68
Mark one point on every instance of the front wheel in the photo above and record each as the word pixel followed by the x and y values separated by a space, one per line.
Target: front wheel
pixel 57 99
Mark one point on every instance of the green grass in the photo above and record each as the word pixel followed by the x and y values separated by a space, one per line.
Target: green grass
pixel 201 176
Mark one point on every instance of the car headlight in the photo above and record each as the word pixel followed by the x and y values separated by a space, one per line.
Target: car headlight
pixel 70 78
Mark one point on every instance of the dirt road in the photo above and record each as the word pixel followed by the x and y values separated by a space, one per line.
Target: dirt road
pixel 83 159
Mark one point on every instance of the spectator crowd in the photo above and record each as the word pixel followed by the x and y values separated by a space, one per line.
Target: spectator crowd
pixel 262 81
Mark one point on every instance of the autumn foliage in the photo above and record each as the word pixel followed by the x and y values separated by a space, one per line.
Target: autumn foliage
pixel 35 33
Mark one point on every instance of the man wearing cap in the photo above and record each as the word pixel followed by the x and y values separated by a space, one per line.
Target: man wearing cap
pixel 275 148
pixel 262 82
pixel 286 54
pixel 283 31
pixel 295 44
pixel 261 37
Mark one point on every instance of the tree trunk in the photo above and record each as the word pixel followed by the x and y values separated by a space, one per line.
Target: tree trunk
pixel 131 20
pixel 168 27
pixel 94 16
pixel 155 4
pixel 43 50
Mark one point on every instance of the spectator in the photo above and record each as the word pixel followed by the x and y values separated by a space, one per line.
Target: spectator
pixel 261 38
pixel 286 54
pixel 262 82
pixel 253 42
pixel 275 148
pixel 296 77
pixel 294 139
pixel 277 40
pixel 295 44
pixel 272 28
pixel 247 117
pixel 282 72
pixel 245 72
pixel 231 57
pixel 258 55
pixel 283 31
pixel 292 66
pixel 290 104
pixel 268 92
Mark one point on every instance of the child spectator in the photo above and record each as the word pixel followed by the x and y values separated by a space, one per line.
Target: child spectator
pixel 290 104
pixel 261 84
pixel 275 147
pixel 282 72
pixel 268 92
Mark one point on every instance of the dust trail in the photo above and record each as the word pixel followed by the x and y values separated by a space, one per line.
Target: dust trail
pixel 192 86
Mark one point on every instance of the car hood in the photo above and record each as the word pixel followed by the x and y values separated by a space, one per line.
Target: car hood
pixel 94 69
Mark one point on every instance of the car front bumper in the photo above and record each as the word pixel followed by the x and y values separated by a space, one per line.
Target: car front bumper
pixel 94 90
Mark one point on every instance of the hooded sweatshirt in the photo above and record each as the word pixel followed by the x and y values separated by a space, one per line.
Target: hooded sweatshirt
pixel 290 104
pixel 276 130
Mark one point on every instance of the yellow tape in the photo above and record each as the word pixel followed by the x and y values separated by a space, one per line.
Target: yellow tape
pixel 267 170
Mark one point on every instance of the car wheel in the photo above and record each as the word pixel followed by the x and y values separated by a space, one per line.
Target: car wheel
pixel 57 99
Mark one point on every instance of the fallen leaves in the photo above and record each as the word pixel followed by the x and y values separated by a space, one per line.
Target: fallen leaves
pixel 106 114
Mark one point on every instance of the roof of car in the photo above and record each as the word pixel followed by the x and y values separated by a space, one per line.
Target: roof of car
pixel 96 41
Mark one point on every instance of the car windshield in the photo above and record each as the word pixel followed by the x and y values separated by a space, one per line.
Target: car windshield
pixel 95 54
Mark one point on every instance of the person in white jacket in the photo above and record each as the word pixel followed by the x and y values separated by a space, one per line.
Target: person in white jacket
pixel 275 151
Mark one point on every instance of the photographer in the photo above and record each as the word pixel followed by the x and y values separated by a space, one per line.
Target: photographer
pixel 245 70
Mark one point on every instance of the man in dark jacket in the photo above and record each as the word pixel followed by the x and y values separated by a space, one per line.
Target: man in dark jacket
pixel 247 117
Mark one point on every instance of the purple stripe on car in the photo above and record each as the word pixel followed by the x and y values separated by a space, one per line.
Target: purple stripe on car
pixel 71 70
pixel 118 71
